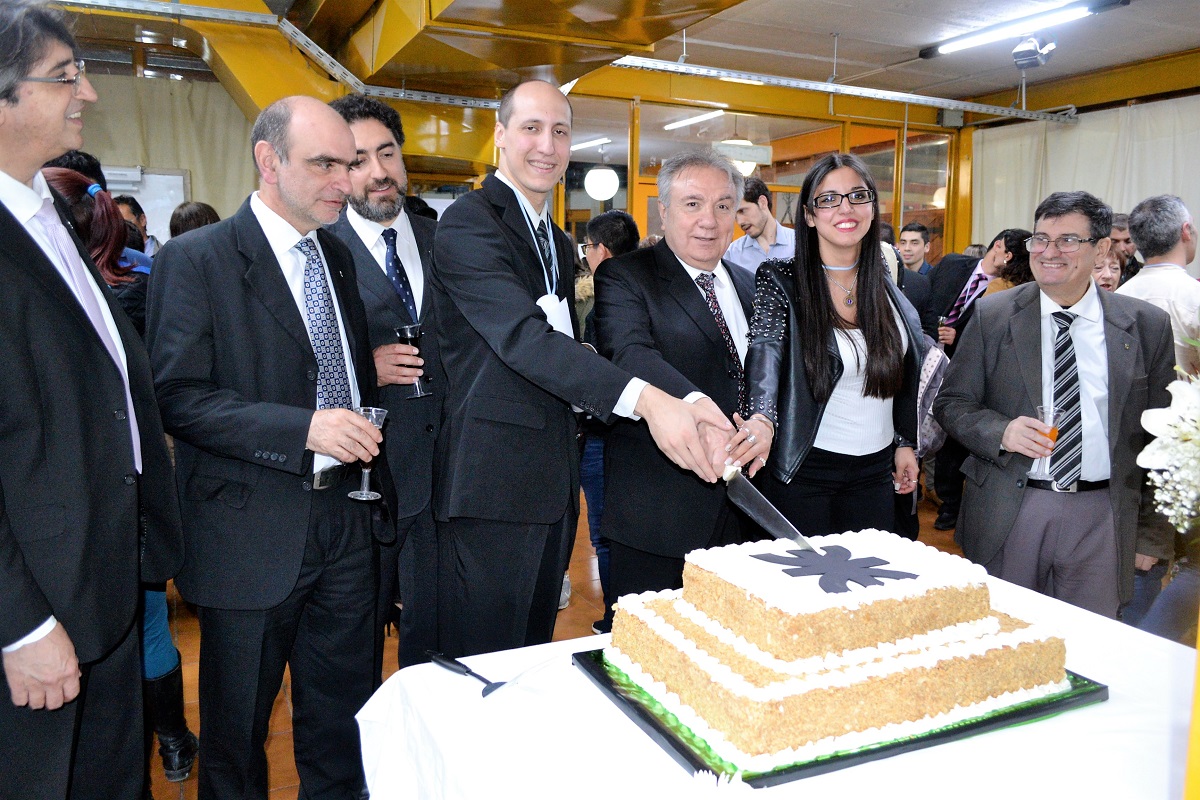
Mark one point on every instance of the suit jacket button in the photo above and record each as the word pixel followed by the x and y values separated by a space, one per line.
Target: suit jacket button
pixel 129 480
pixel 312 375
pixel 119 413
pixel 282 457
pixel 1021 484
pixel 258 454
pixel 274 456
pixel 306 486
pixel 429 429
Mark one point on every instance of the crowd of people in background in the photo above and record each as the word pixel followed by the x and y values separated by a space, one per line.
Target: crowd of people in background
pixel 515 368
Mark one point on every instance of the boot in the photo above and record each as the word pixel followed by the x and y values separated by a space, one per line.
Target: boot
pixel 164 709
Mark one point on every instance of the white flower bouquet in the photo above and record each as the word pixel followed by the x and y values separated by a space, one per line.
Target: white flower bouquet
pixel 1173 458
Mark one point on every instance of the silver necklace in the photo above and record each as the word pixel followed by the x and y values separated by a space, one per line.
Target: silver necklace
pixel 849 299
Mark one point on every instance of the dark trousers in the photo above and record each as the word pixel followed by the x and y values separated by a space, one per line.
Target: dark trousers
pixel 89 748
pixel 833 493
pixel 948 477
pixel 408 574
pixel 633 570
pixel 499 582
pixel 324 632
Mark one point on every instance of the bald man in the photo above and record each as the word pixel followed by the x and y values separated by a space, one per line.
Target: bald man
pixel 259 343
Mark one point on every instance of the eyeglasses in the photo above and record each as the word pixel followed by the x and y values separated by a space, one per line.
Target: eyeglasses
pixel 583 248
pixel 1064 244
pixel 859 197
pixel 75 80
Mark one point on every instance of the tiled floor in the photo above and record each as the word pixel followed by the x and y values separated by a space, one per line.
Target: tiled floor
pixel 575 621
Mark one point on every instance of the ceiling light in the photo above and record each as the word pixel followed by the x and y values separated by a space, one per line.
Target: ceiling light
pixel 1022 27
pixel 590 143
pixel 601 183
pixel 747 81
pixel 670 126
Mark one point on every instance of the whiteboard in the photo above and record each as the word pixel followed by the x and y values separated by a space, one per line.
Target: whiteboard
pixel 159 192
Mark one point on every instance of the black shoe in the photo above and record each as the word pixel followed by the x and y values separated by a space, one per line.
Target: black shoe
pixel 601 626
pixel 164 707
pixel 946 521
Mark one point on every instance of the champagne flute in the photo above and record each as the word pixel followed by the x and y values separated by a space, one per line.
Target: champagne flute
pixel 1048 414
pixel 411 335
pixel 374 416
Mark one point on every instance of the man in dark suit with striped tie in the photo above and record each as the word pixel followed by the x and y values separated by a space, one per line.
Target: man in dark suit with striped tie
pixel 393 256
pixel 1059 515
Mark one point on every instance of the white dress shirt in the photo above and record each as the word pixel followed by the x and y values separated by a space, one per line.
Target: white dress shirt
pixel 283 239
pixel 371 234
pixel 1091 356
pixel 1169 287
pixel 730 303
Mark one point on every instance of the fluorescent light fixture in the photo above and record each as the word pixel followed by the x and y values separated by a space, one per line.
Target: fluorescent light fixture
pixel 693 120
pixel 1022 27
pixel 568 86
pixel 747 81
pixel 590 143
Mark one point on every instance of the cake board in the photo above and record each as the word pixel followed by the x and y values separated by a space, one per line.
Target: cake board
pixel 693 754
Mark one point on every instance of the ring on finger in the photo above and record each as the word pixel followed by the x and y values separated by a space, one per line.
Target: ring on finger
pixel 763 460
pixel 751 438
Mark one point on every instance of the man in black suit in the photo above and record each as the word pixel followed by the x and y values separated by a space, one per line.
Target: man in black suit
pixel 956 283
pixel 507 464
pixel 393 256
pixel 655 317
pixel 260 348
pixel 86 503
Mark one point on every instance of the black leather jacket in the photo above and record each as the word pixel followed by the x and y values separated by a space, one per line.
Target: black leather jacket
pixel 778 384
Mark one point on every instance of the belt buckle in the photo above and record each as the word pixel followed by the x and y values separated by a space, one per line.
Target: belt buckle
pixel 1070 488
pixel 327 477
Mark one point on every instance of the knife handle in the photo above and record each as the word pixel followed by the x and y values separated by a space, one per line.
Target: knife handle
pixel 452 664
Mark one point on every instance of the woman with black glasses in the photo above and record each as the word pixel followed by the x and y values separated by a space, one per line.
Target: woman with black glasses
pixel 833 366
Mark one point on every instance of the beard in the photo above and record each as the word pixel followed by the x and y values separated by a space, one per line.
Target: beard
pixel 384 210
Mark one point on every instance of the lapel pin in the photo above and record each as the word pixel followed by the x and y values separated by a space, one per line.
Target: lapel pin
pixel 1127 345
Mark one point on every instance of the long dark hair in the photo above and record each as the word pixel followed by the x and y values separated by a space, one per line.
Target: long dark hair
pixel 815 310
pixel 98 221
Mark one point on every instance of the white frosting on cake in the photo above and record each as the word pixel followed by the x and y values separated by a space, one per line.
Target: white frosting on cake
pixel 841 676
pixel 834 744
pixel 954 633
pixel 803 595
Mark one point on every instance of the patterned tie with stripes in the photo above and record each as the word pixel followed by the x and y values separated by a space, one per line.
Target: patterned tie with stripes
pixel 705 281
pixel 963 300
pixel 1066 462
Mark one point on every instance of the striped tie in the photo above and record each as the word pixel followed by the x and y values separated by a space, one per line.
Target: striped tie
pixel 1066 462
pixel 964 299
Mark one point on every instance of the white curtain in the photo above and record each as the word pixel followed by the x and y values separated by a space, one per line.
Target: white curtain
pixel 1122 155
pixel 166 124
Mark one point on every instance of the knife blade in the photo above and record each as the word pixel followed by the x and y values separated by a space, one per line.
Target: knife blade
pixel 749 499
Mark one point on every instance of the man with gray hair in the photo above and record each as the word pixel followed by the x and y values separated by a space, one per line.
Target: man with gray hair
pixel 1164 232
pixel 678 315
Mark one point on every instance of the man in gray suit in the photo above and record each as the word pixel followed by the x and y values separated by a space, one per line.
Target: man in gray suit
pixel 393 254
pixel 1101 359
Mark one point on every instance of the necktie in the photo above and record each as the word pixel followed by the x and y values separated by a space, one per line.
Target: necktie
pixel 964 299
pixel 705 281
pixel 543 238
pixel 1066 462
pixel 397 275
pixel 64 247
pixel 333 384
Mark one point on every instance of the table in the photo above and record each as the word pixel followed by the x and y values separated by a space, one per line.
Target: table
pixel 428 733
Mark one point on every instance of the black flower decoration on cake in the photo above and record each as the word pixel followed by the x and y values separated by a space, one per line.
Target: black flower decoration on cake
pixel 836 568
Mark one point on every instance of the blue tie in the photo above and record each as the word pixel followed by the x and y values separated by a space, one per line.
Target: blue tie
pixel 397 275
pixel 333 382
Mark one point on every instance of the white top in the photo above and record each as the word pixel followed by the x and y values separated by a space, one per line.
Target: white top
pixel 854 424
pixel 283 239
pixel 1169 287
pixel 1087 334
pixel 745 252
pixel 371 234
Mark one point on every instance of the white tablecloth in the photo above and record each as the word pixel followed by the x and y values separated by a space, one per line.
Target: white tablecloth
pixel 428 733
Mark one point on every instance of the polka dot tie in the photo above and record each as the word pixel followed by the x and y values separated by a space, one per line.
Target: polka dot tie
pixel 333 384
